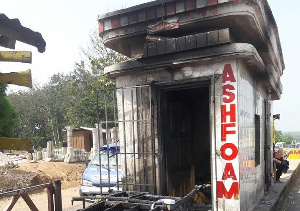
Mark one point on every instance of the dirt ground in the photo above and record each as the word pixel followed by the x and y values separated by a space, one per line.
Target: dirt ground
pixel 30 174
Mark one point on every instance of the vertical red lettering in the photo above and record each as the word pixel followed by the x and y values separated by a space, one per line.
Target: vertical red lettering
pixel 225 131
pixel 228 97
pixel 231 113
pixel 229 172
pixel 228 74
pixel 233 191
pixel 234 151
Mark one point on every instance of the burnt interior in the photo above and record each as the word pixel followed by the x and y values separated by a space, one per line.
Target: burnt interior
pixel 185 140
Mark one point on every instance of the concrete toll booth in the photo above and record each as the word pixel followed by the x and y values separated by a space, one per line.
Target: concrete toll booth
pixel 194 102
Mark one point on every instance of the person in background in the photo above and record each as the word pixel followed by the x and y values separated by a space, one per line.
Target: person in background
pixel 279 167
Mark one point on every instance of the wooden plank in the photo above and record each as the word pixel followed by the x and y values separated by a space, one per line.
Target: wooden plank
pixel 16 56
pixel 50 192
pixel 22 78
pixel 29 202
pixel 12 203
pixel 15 144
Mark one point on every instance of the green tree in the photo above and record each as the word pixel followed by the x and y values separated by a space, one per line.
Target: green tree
pixel 280 137
pixel 66 99
pixel 7 114
pixel 90 71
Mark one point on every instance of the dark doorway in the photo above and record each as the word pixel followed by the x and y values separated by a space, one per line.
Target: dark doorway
pixel 185 134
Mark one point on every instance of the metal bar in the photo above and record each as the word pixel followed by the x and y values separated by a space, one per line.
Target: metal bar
pixel 156 197
pixel 124 137
pixel 24 190
pixel 120 121
pixel 138 122
pixel 107 139
pixel 50 192
pixel 140 184
pixel 133 137
pixel 184 199
pixel 143 139
pixel 29 202
pixel 12 203
pixel 151 95
pixel 131 153
pixel 83 204
pixel 99 135
pixel 214 145
pixel 57 195
pixel 117 135
pixel 126 87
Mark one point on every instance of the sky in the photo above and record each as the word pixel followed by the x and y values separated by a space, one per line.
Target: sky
pixel 66 25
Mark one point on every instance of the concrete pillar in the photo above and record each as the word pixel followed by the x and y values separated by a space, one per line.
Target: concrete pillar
pixel 70 150
pixel 95 141
pixel 108 137
pixel 49 149
pixel 100 136
pixel 70 136
pixel 114 135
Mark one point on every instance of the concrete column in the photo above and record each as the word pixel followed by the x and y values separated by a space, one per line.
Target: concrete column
pixel 99 135
pixel 70 136
pixel 70 150
pixel 114 135
pixel 95 141
pixel 108 137
pixel 49 149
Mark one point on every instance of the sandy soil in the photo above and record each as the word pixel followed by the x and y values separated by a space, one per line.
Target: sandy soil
pixel 30 174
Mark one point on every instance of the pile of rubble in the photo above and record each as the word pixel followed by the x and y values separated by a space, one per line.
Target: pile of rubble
pixel 10 160
pixel 4 160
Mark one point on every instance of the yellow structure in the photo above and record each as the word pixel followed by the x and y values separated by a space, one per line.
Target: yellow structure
pixel 16 56
pixel 15 144
pixel 12 31
pixel 22 78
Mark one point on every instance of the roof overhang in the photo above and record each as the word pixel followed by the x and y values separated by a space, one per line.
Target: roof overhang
pixel 252 22
pixel 242 51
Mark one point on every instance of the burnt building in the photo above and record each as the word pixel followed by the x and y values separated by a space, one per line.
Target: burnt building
pixel 194 102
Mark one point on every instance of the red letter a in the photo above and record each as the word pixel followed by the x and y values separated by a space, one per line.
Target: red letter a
pixel 228 74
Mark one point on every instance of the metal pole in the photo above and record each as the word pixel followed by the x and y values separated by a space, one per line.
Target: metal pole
pixel 57 195
pixel 99 138
pixel 124 138
pixel 133 137
pixel 151 96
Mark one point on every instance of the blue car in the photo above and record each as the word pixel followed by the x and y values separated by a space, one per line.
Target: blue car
pixel 109 171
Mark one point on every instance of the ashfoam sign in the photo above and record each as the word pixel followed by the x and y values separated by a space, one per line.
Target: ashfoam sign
pixel 294 154
pixel 228 164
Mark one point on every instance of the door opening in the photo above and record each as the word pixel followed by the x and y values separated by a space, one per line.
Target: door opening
pixel 185 144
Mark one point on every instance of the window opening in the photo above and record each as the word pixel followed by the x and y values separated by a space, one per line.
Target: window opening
pixel 257 139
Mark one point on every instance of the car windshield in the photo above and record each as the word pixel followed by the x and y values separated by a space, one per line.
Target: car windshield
pixel 109 160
